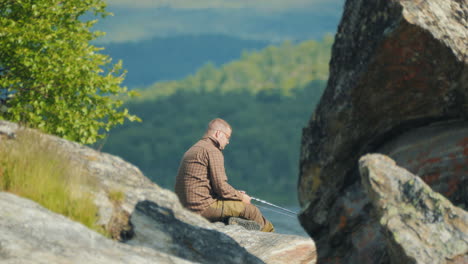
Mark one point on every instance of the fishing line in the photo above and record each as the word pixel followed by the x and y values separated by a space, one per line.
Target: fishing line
pixel 286 213
pixel 270 204
pixel 278 212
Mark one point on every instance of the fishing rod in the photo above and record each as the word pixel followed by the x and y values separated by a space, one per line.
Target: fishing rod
pixel 273 205
pixel 278 212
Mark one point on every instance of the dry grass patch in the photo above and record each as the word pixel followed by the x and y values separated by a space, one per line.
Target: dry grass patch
pixel 33 167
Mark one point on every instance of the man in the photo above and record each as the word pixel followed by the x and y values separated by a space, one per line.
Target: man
pixel 201 183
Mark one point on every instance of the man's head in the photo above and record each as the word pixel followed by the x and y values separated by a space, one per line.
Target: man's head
pixel 220 130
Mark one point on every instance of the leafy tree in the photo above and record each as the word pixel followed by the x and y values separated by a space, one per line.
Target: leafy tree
pixel 50 76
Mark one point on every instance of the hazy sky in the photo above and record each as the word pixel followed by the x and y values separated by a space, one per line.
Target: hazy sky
pixel 274 20
pixel 224 4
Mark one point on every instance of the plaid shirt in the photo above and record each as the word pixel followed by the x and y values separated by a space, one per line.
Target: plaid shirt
pixel 201 179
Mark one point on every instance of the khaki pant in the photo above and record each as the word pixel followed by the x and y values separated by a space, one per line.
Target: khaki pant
pixel 222 209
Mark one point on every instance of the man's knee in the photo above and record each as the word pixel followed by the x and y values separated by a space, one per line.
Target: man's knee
pixel 247 211
pixel 252 210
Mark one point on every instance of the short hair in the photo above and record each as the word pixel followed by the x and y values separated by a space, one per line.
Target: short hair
pixel 218 124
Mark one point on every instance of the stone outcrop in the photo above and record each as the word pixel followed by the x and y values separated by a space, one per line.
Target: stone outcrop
pixel 438 153
pixel 273 248
pixel 420 225
pixel 269 247
pixel 31 234
pixel 151 217
pixel 398 74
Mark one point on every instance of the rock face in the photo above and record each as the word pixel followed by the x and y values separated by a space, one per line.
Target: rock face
pixel 32 234
pixel 398 72
pixel 269 247
pixel 152 218
pixel 438 153
pixel 420 226
pixel 273 248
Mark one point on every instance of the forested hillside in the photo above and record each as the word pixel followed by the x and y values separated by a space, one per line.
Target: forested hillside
pixel 275 69
pixel 267 97
pixel 170 58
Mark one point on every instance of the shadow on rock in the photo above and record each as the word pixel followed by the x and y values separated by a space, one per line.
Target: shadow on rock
pixel 156 227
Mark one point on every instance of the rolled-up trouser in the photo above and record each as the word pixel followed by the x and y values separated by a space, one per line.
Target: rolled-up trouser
pixel 222 209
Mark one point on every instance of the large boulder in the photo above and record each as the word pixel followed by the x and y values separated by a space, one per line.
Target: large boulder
pixel 420 225
pixel 438 153
pixel 32 234
pixel 153 221
pixel 398 73
pixel 274 248
pixel 152 217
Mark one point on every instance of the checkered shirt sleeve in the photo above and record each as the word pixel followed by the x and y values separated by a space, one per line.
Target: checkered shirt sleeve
pixel 219 179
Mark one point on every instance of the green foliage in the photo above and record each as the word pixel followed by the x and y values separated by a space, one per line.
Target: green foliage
pixel 273 69
pixel 262 157
pixel 33 167
pixel 50 76
pixel 266 96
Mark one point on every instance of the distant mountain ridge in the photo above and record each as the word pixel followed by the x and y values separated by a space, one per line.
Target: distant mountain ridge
pixel 310 20
pixel 173 58
pixel 276 69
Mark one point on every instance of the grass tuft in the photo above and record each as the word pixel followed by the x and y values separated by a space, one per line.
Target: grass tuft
pixel 35 168
pixel 116 196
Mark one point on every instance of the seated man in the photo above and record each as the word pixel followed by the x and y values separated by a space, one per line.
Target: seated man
pixel 201 183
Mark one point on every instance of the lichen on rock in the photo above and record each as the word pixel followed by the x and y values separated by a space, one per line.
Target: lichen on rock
pixel 420 225
pixel 398 85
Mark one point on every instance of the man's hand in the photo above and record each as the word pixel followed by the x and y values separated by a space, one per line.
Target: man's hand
pixel 245 198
